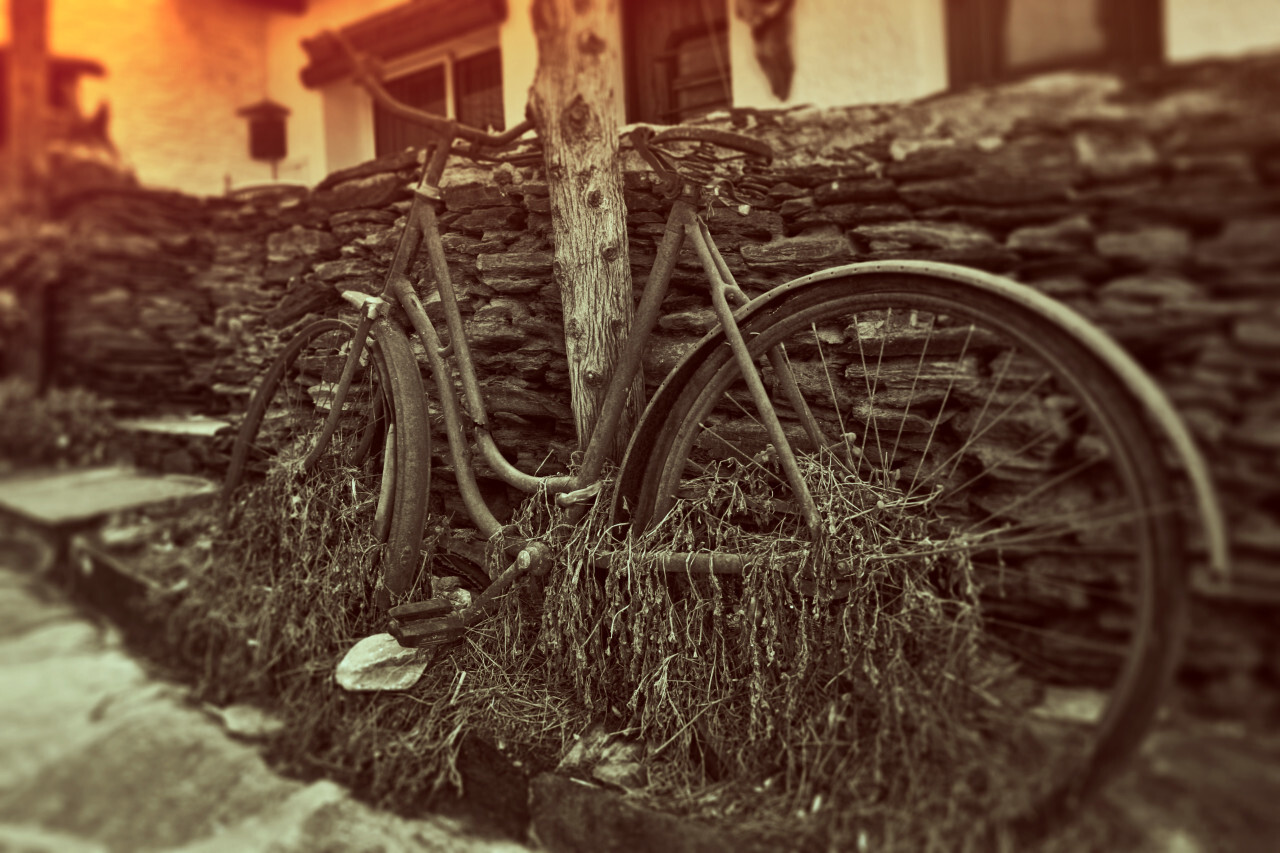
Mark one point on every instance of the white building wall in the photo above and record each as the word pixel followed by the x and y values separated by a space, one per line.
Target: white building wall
pixel 332 128
pixel 1198 29
pixel 849 53
pixel 519 59
pixel 177 71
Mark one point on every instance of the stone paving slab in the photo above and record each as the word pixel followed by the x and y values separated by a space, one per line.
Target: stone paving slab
pixel 97 754
pixel 55 499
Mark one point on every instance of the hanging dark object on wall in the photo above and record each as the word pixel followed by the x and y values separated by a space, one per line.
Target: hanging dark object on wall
pixel 267 137
pixel 770 22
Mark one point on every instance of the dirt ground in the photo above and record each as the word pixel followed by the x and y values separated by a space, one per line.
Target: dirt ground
pixel 1198 786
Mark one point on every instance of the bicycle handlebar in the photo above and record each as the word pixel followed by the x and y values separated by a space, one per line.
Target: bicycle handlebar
pixel 368 74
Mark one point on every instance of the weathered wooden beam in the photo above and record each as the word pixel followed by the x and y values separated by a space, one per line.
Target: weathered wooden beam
pixel 28 102
pixel 23 198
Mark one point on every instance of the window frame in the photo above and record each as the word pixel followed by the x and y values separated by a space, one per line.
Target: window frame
pixel 975 54
pixel 446 55
pixel 640 94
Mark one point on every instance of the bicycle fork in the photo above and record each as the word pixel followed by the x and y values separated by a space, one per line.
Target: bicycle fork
pixel 724 289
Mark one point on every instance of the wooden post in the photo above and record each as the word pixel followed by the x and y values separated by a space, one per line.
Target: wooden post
pixel 574 104
pixel 24 185
pixel 28 102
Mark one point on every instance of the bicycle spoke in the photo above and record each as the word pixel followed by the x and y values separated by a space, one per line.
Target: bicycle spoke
pixel 942 407
pixel 992 551
pixel 988 470
pixel 972 437
pixel 871 387
pixel 1068 474
pixel 740 454
pixel 897 440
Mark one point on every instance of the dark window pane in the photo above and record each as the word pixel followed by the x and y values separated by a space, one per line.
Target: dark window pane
pixel 477 90
pixel 423 89
pixel 988 40
pixel 1053 32
pixel 700 83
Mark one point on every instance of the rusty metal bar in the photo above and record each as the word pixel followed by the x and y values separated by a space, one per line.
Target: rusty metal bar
pixel 344 385
pixel 481 516
pixel 720 288
pixel 655 290
pixel 410 628
pixel 424 204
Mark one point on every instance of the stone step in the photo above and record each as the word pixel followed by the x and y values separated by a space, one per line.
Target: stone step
pixel 61 500
pixel 198 426
pixel 179 443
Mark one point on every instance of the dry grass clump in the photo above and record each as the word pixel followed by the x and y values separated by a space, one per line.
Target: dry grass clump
pixel 289 591
pixel 62 426
pixel 837 692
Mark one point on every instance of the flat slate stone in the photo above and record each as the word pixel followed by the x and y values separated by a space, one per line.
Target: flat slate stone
pixel 97 755
pixel 67 497
pixel 379 662
pixel 201 425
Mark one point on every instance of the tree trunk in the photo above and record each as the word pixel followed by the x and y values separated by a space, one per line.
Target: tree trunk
pixel 575 107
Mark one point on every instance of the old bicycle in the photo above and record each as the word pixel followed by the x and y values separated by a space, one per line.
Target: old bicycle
pixel 905 434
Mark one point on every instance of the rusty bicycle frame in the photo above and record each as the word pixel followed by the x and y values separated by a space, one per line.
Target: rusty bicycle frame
pixel 426 621
pixel 1148 660
pixel 430 622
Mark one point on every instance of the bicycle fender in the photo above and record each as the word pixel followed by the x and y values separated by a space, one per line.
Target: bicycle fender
pixel 795 293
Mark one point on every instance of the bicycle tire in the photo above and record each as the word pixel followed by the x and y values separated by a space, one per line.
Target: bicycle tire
pixel 380 452
pixel 909 359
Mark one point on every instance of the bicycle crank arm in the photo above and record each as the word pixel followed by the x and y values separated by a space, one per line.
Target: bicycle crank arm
pixel 435 623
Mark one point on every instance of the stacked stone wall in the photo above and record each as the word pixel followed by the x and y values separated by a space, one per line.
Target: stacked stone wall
pixel 1151 205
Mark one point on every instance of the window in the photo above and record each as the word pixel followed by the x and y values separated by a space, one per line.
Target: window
pixel 989 40
pixel 422 89
pixel 477 90
pixel 439 55
pixel 476 101
pixel 676 56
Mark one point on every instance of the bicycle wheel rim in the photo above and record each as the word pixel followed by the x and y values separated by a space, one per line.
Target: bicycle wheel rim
pixel 249 450
pixel 1152 578
pixel 370 477
pixel 402 567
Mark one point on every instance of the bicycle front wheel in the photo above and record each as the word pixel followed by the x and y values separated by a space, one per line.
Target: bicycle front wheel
pixel 373 473
pixel 997 584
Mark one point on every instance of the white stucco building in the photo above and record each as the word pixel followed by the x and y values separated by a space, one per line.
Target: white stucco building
pixel 179 72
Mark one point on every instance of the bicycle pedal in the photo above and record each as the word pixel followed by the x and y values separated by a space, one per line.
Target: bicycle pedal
pixel 432 608
pixel 425 633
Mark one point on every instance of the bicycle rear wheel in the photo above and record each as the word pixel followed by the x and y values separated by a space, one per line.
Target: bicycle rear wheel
pixel 999 542
pixel 374 471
